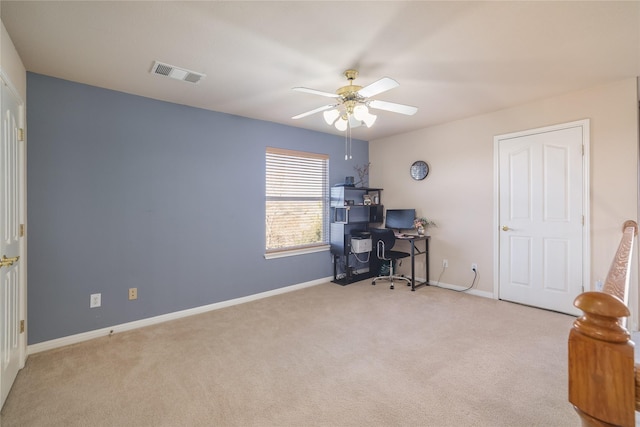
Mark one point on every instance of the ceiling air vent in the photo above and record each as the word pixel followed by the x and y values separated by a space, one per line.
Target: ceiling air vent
pixel 177 73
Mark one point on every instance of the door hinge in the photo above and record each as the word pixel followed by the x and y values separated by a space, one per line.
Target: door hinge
pixel 20 134
pixel 22 326
pixel 21 230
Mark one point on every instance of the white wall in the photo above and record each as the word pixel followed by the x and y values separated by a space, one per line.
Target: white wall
pixel 458 193
pixel 11 64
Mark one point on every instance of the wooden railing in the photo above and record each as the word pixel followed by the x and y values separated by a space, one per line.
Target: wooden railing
pixel 602 384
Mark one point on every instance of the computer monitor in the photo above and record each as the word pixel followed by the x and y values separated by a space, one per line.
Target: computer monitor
pixel 400 218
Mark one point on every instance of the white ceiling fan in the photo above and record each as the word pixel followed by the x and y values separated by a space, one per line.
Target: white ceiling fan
pixel 353 102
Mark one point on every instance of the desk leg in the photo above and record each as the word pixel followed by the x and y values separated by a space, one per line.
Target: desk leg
pixel 426 260
pixel 413 266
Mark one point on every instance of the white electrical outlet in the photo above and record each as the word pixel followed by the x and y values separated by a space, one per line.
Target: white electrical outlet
pixel 474 267
pixel 96 300
pixel 445 263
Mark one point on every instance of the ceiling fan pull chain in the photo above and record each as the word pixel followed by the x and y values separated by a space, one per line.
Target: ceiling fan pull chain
pixel 347 141
pixel 350 142
pixel 346 149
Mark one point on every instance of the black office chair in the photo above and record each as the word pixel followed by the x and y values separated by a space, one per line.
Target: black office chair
pixel 384 240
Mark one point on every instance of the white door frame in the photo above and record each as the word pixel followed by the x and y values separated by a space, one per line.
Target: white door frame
pixel 22 280
pixel 586 229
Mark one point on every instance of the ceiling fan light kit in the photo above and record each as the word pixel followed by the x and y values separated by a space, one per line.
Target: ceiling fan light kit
pixel 341 124
pixel 330 116
pixel 355 118
pixel 361 112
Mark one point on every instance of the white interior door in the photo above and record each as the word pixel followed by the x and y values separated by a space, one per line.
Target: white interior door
pixel 541 216
pixel 11 342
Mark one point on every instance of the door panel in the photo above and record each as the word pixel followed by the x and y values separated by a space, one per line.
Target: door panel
pixel 520 258
pixel 10 275
pixel 541 213
pixel 556 259
pixel 556 181
pixel 520 184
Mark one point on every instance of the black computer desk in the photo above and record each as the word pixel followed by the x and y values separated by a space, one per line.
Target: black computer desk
pixel 412 239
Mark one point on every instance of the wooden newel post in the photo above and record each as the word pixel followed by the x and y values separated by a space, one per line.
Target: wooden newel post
pixel 601 364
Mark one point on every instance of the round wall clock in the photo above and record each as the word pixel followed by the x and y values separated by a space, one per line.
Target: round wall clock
pixel 419 170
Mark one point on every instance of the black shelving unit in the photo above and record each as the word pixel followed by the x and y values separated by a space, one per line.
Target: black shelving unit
pixel 353 209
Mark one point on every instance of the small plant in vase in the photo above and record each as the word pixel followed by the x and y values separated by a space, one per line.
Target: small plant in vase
pixel 421 225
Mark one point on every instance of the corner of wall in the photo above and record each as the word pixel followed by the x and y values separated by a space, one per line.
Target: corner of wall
pixel 11 65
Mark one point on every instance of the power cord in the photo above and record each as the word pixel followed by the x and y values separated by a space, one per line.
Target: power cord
pixel 437 285
pixel 355 255
pixel 473 282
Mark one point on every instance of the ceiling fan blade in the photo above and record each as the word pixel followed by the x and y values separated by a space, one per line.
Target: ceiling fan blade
pixel 391 106
pixel 379 86
pixel 316 92
pixel 317 110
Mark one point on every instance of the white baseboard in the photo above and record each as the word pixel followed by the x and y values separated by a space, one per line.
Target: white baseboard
pixel 475 292
pixel 85 336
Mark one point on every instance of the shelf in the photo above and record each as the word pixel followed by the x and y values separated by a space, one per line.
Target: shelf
pixel 354 278
pixel 350 214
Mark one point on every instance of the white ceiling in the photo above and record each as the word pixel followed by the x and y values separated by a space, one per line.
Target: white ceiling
pixel 452 59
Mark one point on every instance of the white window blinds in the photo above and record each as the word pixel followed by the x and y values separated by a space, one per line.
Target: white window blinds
pixel 297 199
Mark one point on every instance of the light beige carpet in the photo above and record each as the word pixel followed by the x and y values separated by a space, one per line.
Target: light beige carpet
pixel 328 355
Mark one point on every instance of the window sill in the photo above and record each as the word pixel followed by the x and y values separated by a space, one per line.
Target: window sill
pixel 293 252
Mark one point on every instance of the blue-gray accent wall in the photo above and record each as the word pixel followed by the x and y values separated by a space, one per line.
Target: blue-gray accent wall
pixel 125 191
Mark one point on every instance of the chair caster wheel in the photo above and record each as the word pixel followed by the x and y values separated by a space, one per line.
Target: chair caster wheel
pixel 391 287
pixel 373 283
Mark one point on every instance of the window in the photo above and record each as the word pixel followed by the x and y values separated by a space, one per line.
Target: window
pixel 297 201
